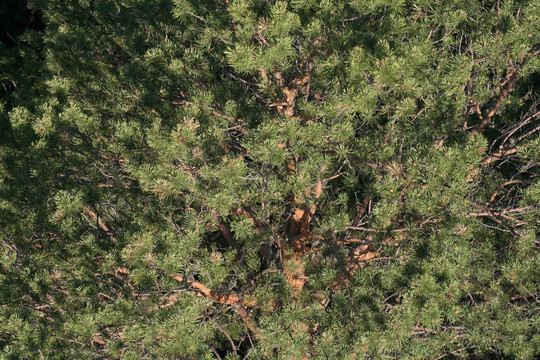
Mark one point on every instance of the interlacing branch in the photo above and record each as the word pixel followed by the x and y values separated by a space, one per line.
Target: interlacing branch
pixel 512 76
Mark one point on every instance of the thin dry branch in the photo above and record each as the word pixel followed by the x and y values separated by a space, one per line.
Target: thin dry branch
pixel 504 89
pixel 499 155
pixel 505 151
pixel 226 334
pixel 231 298
pixel 502 217
pixel 523 122
pixel 498 190
pixel 100 223
pixel 237 302
pixel 487 212
pixel 532 131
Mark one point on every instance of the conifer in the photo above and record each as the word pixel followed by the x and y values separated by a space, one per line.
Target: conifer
pixel 249 179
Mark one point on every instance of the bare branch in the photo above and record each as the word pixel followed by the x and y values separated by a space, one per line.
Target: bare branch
pixel 224 333
pixel 100 223
pixel 504 89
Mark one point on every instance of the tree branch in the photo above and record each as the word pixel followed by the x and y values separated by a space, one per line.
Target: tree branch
pixel 504 89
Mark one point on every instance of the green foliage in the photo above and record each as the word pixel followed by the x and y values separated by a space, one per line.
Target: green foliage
pixel 271 180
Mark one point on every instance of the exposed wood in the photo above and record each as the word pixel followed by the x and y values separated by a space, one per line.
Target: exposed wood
pixel 100 223
pixel 498 190
pixel 231 298
pixel 504 89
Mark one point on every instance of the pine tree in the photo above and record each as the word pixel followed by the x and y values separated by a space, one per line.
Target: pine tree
pixel 271 180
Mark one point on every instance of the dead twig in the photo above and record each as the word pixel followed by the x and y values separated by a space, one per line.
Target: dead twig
pixel 226 334
pixel 504 89
pixel 100 223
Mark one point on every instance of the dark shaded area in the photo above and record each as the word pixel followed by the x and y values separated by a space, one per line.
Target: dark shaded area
pixel 15 18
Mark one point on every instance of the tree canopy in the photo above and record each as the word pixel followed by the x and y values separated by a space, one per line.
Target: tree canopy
pixel 260 179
